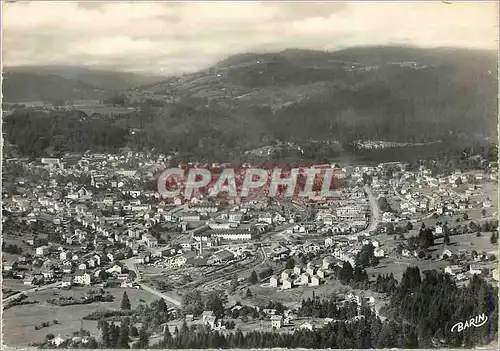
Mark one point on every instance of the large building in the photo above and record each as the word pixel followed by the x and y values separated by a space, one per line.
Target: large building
pixel 149 240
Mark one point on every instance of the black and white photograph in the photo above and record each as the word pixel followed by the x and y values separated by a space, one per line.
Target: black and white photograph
pixel 249 175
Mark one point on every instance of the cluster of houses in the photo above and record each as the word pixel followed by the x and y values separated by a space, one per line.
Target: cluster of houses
pixel 98 213
pixel 298 276
pixel 444 197
pixel 286 319
pixel 52 263
pixel 461 273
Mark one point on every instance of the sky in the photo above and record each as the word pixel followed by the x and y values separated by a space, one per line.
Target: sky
pixel 177 37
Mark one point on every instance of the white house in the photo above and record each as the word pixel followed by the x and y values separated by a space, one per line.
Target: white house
pixel 297 270
pixel 276 322
pixel 67 281
pixel 273 281
pixel 286 274
pixel 82 279
pixel 41 251
pixel 453 270
pixel 327 261
pixel 475 270
pixel 57 341
pixel 446 253
pixel 287 284
pixel 329 242
pixel 307 326
pixel 379 252
pixel 310 270
pixel 315 280
pixel 149 240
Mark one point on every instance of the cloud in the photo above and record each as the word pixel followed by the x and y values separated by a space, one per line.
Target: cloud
pixel 179 37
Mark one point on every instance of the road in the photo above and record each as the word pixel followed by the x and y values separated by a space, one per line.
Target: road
pixel 160 294
pixel 375 217
pixel 131 265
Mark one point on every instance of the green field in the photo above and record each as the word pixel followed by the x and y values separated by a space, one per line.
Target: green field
pixel 19 321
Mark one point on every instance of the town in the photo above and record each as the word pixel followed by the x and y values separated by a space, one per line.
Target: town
pixel 95 226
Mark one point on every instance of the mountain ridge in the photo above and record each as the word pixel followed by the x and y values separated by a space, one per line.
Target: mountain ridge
pixel 249 100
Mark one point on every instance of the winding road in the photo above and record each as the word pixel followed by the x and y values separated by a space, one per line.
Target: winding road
pixel 165 297
pixel 375 217
pixel 131 265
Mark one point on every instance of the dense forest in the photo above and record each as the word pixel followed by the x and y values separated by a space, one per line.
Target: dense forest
pixel 434 303
pixel 204 134
pixel 37 134
pixel 312 99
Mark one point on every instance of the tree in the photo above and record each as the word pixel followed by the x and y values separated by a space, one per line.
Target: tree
pixel 473 226
pixel 192 303
pixel 446 235
pixel 215 302
pixel 303 259
pixel 346 273
pixel 483 212
pixel 124 334
pixel 115 335
pixel 133 331
pixel 162 306
pixel 125 305
pixel 167 338
pixel 234 283
pixel 143 342
pixel 253 279
pixel 248 293
pixel 383 204
pixel 493 238
pixel 466 216
pixel 365 255
pixel 290 263
pixel 92 344
pixel 105 334
pixel 374 261
pixel 423 239
pixel 409 226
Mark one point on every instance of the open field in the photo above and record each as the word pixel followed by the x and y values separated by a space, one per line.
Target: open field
pixel 14 284
pixel 262 293
pixel 398 266
pixel 19 321
pixel 469 242
pixel 10 239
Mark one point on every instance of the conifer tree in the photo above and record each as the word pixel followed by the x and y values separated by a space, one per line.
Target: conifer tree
pixel 124 334
pixel 125 305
